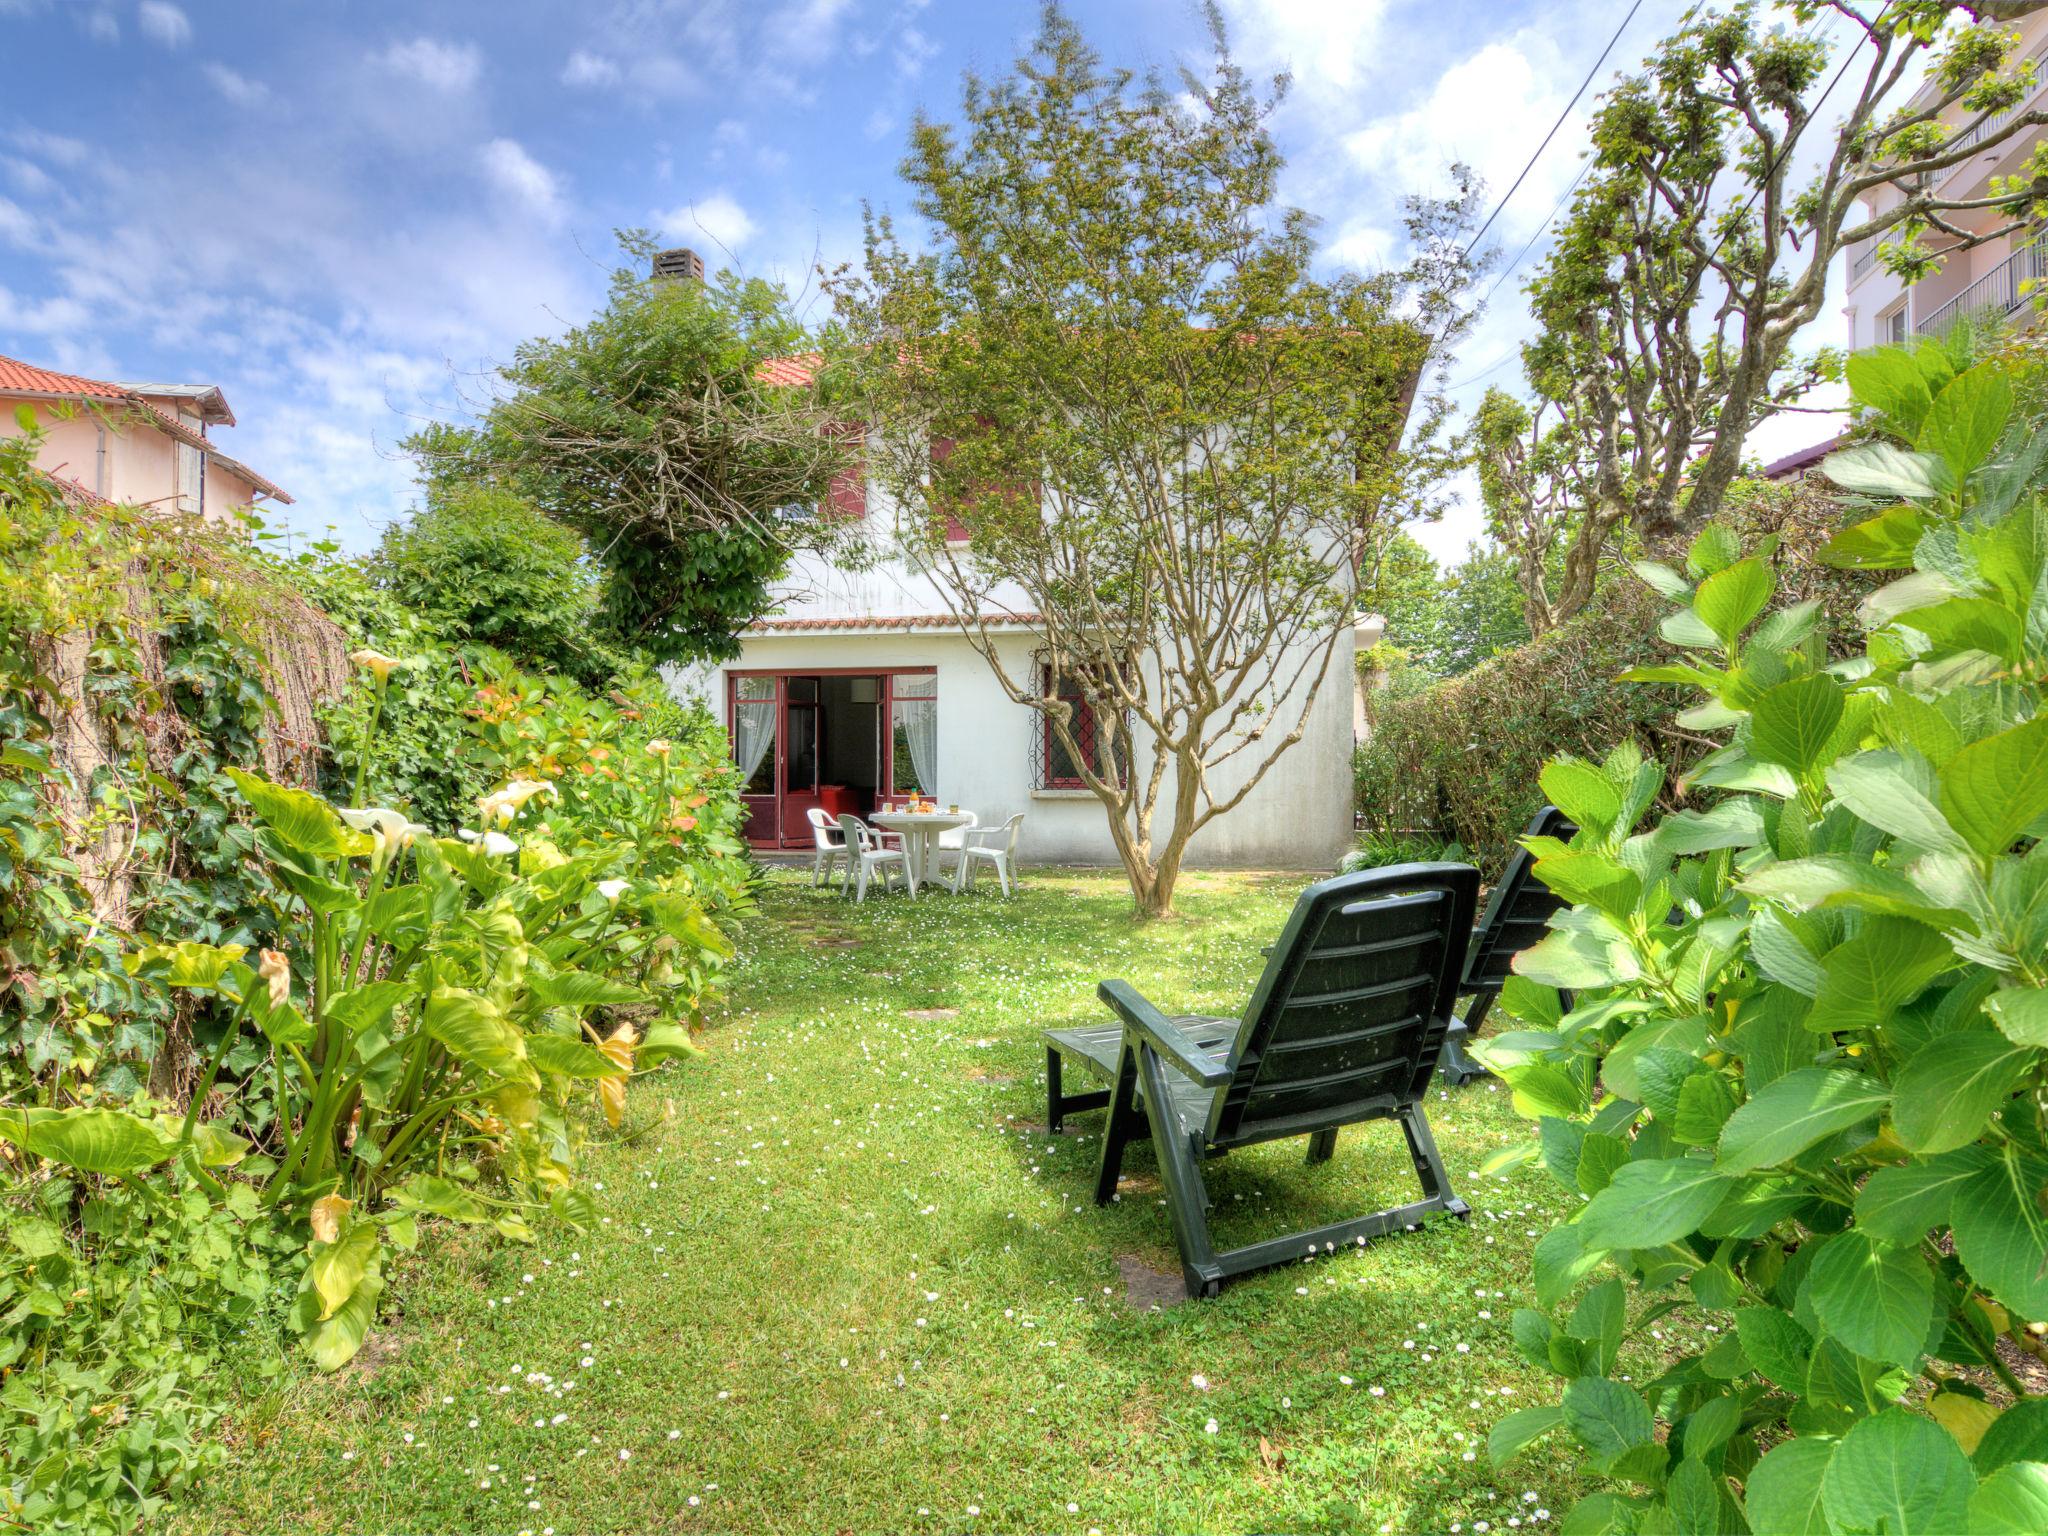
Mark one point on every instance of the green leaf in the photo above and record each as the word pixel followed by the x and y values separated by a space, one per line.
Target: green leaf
pixel 301 821
pixel 1904 1204
pixel 1888 379
pixel 1582 792
pixel 1898 1473
pixel 1882 543
pixel 1599 1319
pixel 563 1057
pixel 2002 1234
pixel 187 963
pixel 217 1147
pixel 1793 724
pixel 337 1268
pixel 1875 1297
pixel 1838 880
pixel 367 1006
pixel 1730 599
pixel 1735 823
pixel 1663 579
pixel 1714 548
pixel 581 989
pixel 1893 792
pixel 2013 1499
pixel 1791 1114
pixel 1704 1105
pixel 665 1038
pixel 1652 1202
pixel 109 1141
pixel 1994 789
pixel 1600 1156
pixel 1966 421
pixel 472 1030
pixel 1944 1095
pixel 1883 469
pixel 574 1207
pixel 333 1341
pixel 1883 968
pixel 1783 1491
pixel 1518 1431
pixel 1776 1344
pixel 440 1197
pixel 1607 1418
pixel 2018 1434
pixel 1559 1261
pixel 2022 1013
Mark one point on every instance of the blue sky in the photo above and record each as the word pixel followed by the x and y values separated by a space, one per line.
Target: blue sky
pixel 343 212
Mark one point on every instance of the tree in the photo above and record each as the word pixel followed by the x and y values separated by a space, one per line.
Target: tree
pixel 656 431
pixel 1534 485
pixel 1692 257
pixel 1117 385
pixel 479 563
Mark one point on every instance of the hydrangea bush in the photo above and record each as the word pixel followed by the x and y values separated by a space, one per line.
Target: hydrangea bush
pixel 1788 1047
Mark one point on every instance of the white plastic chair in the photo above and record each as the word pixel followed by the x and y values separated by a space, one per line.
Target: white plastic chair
pixel 865 855
pixel 951 841
pixel 830 845
pixel 993 846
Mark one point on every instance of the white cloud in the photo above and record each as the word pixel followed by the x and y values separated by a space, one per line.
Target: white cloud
pixel 589 69
pixel 162 22
pixel 518 175
pixel 30 178
pixel 717 217
pixel 1328 45
pixel 53 147
pixel 447 67
pixel 238 89
pixel 880 124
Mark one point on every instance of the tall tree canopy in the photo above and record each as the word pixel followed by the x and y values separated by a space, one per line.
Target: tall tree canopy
pixel 1113 394
pixel 1720 193
pixel 654 431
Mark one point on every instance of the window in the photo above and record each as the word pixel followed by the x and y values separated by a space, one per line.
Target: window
pixel 1056 767
pixel 1892 327
pixel 753 732
pixel 190 471
pixel 914 734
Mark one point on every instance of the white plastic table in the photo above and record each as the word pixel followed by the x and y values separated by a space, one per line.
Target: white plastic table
pixel 920 831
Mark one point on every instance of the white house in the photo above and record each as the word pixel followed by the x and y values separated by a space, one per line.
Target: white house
pixel 862 687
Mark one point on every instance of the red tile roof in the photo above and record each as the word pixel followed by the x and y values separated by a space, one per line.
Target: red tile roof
pixel 25 378
pixel 800 369
pixel 880 621
pixel 19 378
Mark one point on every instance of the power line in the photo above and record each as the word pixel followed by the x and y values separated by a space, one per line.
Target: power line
pixel 1567 112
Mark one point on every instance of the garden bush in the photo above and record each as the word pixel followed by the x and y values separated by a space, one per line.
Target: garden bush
pixel 1457 760
pixel 1801 1089
pixel 359 982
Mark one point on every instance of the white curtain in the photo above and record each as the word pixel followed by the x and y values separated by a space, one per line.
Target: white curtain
pixel 753 733
pixel 917 711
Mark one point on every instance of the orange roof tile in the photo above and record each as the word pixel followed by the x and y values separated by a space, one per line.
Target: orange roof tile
pixel 881 621
pixel 800 369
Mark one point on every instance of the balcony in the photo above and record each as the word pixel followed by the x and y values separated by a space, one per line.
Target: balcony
pixel 1998 290
pixel 1989 124
pixel 1864 260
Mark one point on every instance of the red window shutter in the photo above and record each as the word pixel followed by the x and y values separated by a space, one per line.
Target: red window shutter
pixel 847 496
pixel 956 531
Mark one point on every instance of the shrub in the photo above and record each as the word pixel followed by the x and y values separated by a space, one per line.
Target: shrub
pixel 482 566
pixel 1802 1088
pixel 1458 759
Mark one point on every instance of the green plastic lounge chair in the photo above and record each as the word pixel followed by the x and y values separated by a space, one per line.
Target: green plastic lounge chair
pixel 1343 1028
pixel 1517 915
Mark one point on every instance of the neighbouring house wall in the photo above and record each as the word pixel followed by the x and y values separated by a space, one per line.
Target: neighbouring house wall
pixel 1299 816
pixel 139 466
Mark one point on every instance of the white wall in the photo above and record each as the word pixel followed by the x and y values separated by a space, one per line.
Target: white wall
pixel 1299 816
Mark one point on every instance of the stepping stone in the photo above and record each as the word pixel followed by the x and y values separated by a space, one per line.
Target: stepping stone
pixel 931 1013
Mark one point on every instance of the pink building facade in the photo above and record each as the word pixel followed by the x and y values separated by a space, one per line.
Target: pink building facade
pixel 138 444
pixel 1988 278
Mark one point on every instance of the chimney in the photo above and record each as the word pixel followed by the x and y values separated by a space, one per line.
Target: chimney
pixel 681 262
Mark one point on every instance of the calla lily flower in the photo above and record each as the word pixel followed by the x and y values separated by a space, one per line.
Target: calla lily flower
pixel 276 970
pixel 611 890
pixel 379 820
pixel 376 663
pixel 660 747
pixel 497 845
pixel 501 805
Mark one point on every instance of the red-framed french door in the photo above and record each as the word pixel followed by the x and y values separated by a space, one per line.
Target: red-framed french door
pixel 777 718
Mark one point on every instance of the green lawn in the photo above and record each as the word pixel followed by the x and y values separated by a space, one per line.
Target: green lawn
pixel 848 1284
